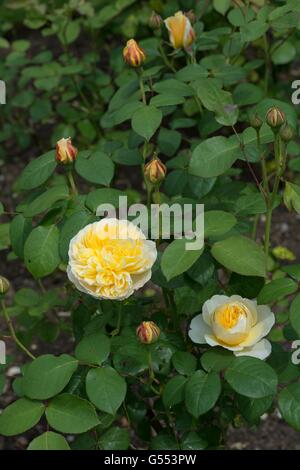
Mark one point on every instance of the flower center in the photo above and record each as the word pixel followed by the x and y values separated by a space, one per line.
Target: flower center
pixel 228 315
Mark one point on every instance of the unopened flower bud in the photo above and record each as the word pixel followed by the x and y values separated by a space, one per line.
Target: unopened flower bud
pixel 191 16
pixel 155 20
pixel 255 121
pixel 133 54
pixel 287 133
pixel 65 151
pixel 275 117
pixel 155 171
pixel 283 253
pixel 4 285
pixel 181 32
pixel 148 332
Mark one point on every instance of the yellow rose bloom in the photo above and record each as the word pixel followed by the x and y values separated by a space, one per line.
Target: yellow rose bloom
pixel 181 32
pixel 110 259
pixel 234 323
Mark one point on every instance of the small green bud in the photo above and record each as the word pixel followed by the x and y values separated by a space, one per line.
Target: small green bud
pixel 4 285
pixel 255 121
pixel 287 133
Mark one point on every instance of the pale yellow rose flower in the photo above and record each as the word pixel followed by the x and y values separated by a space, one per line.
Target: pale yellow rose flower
pixel 181 32
pixel 110 259
pixel 234 323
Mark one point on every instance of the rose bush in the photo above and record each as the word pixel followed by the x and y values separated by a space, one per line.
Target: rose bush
pixel 158 346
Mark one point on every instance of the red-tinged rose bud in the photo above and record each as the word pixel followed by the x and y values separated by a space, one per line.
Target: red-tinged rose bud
pixel 155 20
pixel 287 133
pixel 133 54
pixel 148 332
pixel 4 285
pixel 155 171
pixel 65 151
pixel 275 117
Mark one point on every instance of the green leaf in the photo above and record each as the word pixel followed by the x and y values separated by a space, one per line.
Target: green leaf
pixel 41 251
pixel 215 99
pixel 4 236
pixel 193 441
pixel 252 408
pixel 115 439
pixel 216 359
pixel 295 314
pixel 48 375
pixel 49 441
pixel 70 414
pixel 201 392
pixel 37 172
pixel 191 72
pixel 283 54
pixel 292 270
pixel 275 290
pixel 106 389
pixel 213 157
pixel 184 258
pixel 251 377
pixel 103 196
pixel 93 348
pixel 291 196
pixel 46 200
pixel 216 223
pixel 174 391
pixel 164 441
pixel 19 230
pixel 20 416
pixel 95 167
pixel 289 405
pixel 173 86
pixel 184 362
pixel 27 297
pixel 221 6
pixel 146 120
pixel 166 99
pixel 71 32
pixel 241 255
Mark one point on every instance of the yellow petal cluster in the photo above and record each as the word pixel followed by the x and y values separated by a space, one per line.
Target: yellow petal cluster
pixel 234 323
pixel 110 259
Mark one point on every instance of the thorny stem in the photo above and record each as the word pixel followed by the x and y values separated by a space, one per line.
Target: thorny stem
pixel 142 88
pixel 267 65
pixel 72 182
pixel 248 163
pixel 150 365
pixel 165 58
pixel 13 333
pixel 280 166
pixel 116 331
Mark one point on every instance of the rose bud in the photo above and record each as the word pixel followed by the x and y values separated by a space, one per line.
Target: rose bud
pixel 4 285
pixel 181 32
pixel 148 332
pixel 133 54
pixel 287 133
pixel 155 171
pixel 155 21
pixel 275 117
pixel 255 121
pixel 65 151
